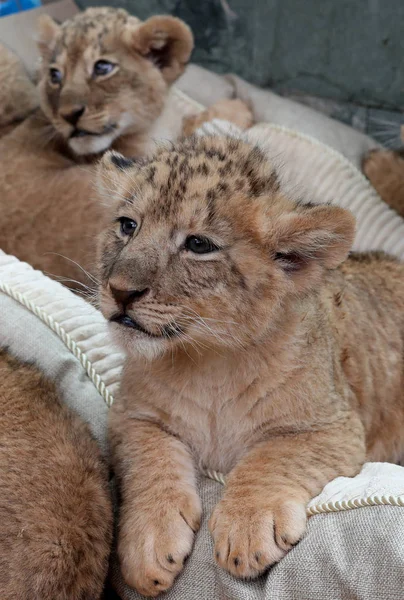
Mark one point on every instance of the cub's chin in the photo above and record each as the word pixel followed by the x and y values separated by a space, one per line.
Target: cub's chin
pixel 86 144
pixel 137 343
pixel 91 144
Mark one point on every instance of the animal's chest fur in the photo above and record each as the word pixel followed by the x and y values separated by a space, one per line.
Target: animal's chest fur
pixel 216 437
pixel 220 426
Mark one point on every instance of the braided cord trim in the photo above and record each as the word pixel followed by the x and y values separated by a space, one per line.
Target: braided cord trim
pixel 66 339
pixel 342 505
pixel 328 507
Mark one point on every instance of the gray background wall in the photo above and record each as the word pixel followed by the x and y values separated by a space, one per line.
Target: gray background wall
pixel 351 51
pixel 343 49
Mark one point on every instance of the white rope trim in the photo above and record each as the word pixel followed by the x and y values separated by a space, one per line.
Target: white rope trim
pixel 65 337
pixel 342 505
pixel 329 507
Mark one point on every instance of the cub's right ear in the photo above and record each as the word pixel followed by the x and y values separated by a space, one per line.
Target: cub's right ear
pixel 166 41
pixel 311 240
pixel 47 34
pixel 110 171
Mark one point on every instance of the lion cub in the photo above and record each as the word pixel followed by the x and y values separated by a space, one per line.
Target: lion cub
pixel 103 82
pixel 385 171
pixel 55 508
pixel 255 347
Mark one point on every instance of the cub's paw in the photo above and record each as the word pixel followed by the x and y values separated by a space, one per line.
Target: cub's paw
pixel 154 542
pixel 249 537
pixel 234 111
pixel 376 164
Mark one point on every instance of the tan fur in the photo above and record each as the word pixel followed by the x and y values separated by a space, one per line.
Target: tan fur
pixel 17 93
pixel 273 359
pixel 385 171
pixel 46 195
pixel 55 510
pixel 235 111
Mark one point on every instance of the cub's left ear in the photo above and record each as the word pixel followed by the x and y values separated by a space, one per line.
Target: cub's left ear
pixel 110 182
pixel 47 34
pixel 166 41
pixel 319 236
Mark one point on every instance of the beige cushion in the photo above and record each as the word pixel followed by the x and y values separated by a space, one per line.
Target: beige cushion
pixel 207 88
pixel 270 107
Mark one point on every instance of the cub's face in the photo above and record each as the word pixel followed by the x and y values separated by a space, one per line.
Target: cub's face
pixel 201 250
pixel 105 73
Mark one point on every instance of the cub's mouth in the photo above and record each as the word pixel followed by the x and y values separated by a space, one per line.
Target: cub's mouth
pixel 79 133
pixel 166 332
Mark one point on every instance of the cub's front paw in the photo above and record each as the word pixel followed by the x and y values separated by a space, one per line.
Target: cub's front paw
pixel 155 540
pixel 251 535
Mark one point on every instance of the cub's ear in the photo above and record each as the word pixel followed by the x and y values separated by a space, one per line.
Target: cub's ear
pixel 109 180
pixel 47 34
pixel 319 236
pixel 166 41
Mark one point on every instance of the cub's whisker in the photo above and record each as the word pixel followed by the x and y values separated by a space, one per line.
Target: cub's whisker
pixel 89 275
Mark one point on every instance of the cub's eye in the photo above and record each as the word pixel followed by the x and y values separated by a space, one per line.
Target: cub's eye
pixel 103 67
pixel 55 76
pixel 199 245
pixel 128 226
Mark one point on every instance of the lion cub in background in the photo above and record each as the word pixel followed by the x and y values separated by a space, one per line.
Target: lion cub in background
pixel 103 82
pixel 255 347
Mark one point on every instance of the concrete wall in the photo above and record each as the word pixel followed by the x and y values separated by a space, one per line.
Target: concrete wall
pixel 348 50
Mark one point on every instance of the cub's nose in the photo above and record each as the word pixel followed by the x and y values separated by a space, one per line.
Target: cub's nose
pixel 74 115
pixel 125 297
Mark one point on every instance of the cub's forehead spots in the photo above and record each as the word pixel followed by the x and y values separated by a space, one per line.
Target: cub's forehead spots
pixel 95 28
pixel 203 171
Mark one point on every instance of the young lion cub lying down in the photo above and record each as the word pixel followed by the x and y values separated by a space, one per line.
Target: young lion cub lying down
pixel 255 348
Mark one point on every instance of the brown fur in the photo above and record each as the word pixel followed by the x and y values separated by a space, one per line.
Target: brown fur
pixel 46 195
pixel 385 171
pixel 17 93
pixel 55 510
pixel 273 359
